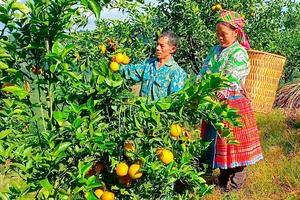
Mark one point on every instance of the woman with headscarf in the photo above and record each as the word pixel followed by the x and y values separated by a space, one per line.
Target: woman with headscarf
pixel 231 58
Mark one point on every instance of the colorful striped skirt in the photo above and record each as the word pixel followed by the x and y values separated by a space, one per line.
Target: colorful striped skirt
pixel 248 152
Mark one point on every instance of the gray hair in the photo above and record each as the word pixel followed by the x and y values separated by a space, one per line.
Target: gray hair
pixel 172 37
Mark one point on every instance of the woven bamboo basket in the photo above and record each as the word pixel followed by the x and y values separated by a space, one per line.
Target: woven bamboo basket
pixel 262 81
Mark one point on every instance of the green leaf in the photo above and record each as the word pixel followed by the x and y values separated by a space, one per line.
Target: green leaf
pixel 21 93
pixel 60 117
pixel 226 133
pixel 95 7
pixel 3 65
pixel 4 18
pixel 3 54
pixel 8 151
pixel 163 105
pixel 181 111
pixel 11 70
pixel 106 1
pixel 136 122
pixel 21 7
pixel 57 48
pixel 209 99
pixel 46 184
pixel 90 196
pixel 144 107
pixel 78 77
pixel 86 168
pixel 234 142
pixel 67 49
pixel 4 133
pixel 53 68
pixel 91 180
pixel 60 148
pixel 113 83
pixel 22 167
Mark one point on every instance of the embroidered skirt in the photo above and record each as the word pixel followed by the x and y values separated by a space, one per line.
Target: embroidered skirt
pixel 248 152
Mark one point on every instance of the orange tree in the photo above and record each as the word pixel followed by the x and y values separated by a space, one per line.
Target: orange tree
pixel 67 121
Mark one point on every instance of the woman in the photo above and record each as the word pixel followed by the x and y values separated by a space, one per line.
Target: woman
pixel 231 57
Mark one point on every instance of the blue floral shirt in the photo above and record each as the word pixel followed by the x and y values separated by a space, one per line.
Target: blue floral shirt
pixel 156 83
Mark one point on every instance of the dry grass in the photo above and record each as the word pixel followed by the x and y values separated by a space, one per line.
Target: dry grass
pixel 289 96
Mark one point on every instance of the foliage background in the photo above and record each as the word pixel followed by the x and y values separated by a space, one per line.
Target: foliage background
pixel 272 26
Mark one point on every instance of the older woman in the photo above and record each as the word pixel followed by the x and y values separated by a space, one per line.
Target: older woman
pixel 231 57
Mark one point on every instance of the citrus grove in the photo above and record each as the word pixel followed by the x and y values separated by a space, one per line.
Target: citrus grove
pixel 70 126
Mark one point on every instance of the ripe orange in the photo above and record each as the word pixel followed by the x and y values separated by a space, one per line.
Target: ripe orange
pixel 114 66
pixel 126 60
pixel 125 180
pixel 122 169
pixel 134 172
pixel 218 7
pixel 166 156
pixel 175 130
pixel 129 146
pixel 102 48
pixel 119 58
pixel 108 196
pixel 99 193
pixel 27 86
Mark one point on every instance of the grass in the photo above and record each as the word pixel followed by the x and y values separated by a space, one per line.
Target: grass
pixel 276 177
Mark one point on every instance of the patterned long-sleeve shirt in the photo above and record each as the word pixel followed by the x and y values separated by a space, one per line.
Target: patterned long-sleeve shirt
pixel 233 61
pixel 156 82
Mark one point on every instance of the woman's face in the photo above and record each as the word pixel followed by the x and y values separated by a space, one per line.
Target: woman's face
pixel 226 35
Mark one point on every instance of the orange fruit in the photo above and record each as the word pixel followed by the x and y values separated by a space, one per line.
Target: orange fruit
pixel 98 167
pixel 126 60
pixel 218 7
pixel 134 172
pixel 175 130
pixel 129 146
pixel 108 196
pixel 99 193
pixel 119 58
pixel 166 156
pixel 27 86
pixel 122 169
pixel 102 48
pixel 114 66
pixel 125 180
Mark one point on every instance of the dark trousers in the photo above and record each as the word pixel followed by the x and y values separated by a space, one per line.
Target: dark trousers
pixel 232 178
